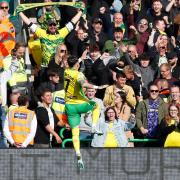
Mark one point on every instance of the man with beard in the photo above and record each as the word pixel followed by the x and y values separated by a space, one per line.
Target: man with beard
pixel 173 61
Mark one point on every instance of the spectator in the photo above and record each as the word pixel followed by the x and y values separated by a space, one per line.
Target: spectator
pixel 52 35
pixel 175 95
pixel 52 84
pixel 7 36
pixel 141 33
pixel 48 12
pixel 120 85
pixel 169 129
pixel 14 100
pixel 59 60
pixel 133 80
pixel 156 12
pixel 19 80
pixel 47 122
pixel 20 125
pixel 96 34
pixel 144 70
pixel 173 62
pixel 164 91
pixel 123 111
pixel 113 131
pixel 86 119
pixel 165 70
pixel 149 113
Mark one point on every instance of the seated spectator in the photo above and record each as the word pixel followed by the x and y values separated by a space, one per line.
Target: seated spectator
pixel 113 131
pixel 149 114
pixel 46 135
pixel 20 125
pixel 164 91
pixel 173 62
pixel 175 95
pixel 120 85
pixel 48 12
pixel 169 129
pixel 86 119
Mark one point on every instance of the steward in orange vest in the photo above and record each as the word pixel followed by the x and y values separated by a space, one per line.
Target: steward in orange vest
pixel 22 124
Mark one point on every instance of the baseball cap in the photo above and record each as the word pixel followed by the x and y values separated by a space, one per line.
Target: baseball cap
pixel 97 20
pixel 50 21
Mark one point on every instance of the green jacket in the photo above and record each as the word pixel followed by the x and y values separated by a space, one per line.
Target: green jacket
pixel 142 112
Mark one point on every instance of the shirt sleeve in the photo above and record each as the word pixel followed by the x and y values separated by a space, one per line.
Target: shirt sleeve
pixel 6 131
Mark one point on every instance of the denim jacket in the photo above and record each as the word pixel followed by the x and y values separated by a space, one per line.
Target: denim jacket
pixel 119 128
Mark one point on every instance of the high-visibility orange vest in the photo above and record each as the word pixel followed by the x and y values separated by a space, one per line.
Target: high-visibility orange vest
pixel 20 120
pixel 7 38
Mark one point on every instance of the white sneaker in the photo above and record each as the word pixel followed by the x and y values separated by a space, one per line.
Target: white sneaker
pixel 80 162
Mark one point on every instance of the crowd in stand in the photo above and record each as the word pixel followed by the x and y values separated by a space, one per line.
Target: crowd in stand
pixel 130 46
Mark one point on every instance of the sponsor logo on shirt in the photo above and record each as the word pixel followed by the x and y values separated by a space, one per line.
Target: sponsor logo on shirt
pixel 59 100
pixel 20 116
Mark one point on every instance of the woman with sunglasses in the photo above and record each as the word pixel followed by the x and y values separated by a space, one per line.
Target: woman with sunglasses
pixel 169 129
pixel 113 130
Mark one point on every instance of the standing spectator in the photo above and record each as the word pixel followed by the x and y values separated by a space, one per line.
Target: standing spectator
pixel 141 33
pixel 86 119
pixel 19 80
pixel 59 61
pixel 150 112
pixel 48 12
pixel 113 131
pixel 144 70
pixel 96 33
pixel 133 80
pixel 169 131
pixel 165 70
pixel 173 61
pixel 52 37
pixel 120 85
pixel 47 122
pixel 20 125
pixel 7 36
pixel 175 95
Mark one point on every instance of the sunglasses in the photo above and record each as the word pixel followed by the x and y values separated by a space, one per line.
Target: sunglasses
pixel 63 50
pixel 4 7
pixel 52 24
pixel 141 23
pixel 156 91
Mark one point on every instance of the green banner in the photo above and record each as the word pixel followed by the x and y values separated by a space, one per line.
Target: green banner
pixel 24 7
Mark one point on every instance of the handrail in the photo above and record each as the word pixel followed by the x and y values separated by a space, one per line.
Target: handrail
pixel 130 140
